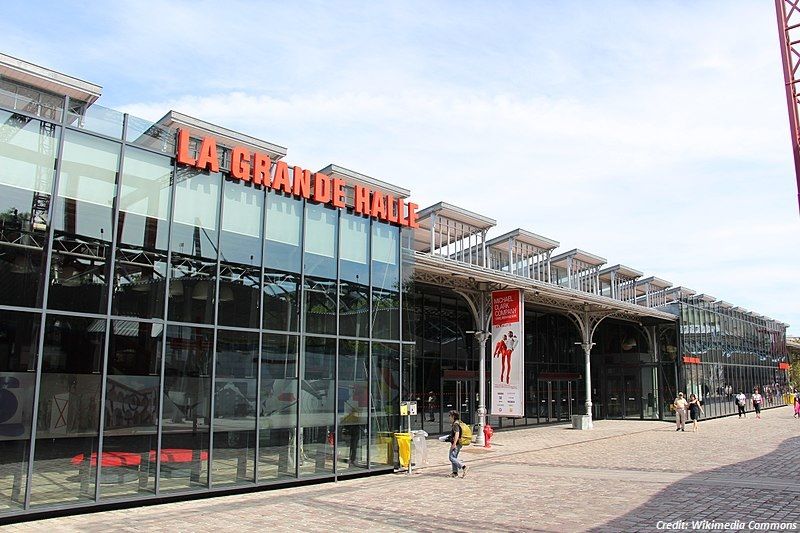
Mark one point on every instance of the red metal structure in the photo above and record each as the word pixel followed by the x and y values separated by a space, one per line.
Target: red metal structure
pixel 788 12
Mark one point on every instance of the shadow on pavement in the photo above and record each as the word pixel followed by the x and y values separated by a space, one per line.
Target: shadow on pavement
pixel 765 489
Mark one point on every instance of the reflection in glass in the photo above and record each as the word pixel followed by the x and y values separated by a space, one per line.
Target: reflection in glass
pixel 385 395
pixel 186 408
pixel 283 231
pixel 27 162
pixel 141 262
pixel 128 463
pixel 317 409
pixel 281 310
pixel 192 288
pixel 385 282
pixel 83 224
pixel 240 260
pixel 67 424
pixel 235 393
pixel 407 284
pixel 354 276
pixel 353 405
pixel 19 334
pixel 277 447
pixel 319 263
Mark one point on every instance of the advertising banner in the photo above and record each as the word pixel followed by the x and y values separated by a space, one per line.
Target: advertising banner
pixel 508 371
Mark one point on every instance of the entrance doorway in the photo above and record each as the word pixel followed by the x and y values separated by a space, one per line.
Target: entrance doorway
pixel 623 392
pixel 460 395
pixel 558 399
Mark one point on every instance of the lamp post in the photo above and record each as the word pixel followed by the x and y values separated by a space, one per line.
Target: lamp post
pixel 481 412
pixel 587 350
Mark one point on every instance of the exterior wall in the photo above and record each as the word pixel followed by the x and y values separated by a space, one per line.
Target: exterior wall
pixel 730 352
pixel 444 374
pixel 165 330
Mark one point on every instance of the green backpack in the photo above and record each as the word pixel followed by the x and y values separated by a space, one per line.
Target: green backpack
pixel 466 434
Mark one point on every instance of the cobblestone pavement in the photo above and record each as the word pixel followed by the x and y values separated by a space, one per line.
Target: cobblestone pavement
pixel 620 476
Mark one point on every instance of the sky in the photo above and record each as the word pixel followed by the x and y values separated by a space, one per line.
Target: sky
pixel 653 134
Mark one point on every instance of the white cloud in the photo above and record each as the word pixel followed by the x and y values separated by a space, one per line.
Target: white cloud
pixel 653 135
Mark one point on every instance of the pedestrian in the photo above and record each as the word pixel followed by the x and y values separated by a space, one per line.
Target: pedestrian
pixel 797 404
pixel 680 412
pixel 431 404
pixel 695 409
pixel 455 445
pixel 757 400
pixel 741 403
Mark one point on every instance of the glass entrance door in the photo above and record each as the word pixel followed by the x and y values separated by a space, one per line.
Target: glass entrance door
pixel 459 395
pixel 558 400
pixel 623 393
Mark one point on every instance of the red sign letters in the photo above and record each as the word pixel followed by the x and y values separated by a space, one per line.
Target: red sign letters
pixel 261 171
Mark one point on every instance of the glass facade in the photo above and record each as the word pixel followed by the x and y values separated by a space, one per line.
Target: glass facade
pixel 725 351
pixel 195 332
pixel 166 330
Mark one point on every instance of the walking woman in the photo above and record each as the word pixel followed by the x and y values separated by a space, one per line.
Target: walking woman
pixel 695 409
pixel 757 400
pixel 680 412
pixel 797 404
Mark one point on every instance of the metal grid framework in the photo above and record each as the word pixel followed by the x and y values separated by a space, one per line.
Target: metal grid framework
pixel 652 292
pixel 788 13
pixel 457 240
pixel 621 283
pixel 581 275
pixel 514 255
pixel 100 258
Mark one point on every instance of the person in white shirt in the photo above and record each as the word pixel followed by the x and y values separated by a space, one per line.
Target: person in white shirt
pixel 680 404
pixel 757 400
pixel 741 403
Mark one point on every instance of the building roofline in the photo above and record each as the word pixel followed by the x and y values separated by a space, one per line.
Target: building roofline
pixel 48 80
pixel 373 183
pixel 177 119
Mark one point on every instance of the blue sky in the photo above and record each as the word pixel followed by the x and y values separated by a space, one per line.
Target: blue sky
pixel 653 134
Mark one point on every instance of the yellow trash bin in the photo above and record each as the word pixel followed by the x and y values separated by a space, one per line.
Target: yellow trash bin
pixel 403 448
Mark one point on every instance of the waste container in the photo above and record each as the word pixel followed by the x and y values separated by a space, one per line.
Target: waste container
pixel 419 451
pixel 403 448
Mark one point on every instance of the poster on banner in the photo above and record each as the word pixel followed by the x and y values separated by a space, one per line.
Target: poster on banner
pixel 508 371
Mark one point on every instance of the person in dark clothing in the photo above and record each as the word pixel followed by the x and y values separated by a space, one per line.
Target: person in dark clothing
pixel 695 409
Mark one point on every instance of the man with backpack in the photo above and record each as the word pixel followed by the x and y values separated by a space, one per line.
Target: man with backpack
pixel 459 433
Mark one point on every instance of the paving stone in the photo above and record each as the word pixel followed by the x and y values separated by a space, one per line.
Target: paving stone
pixel 620 476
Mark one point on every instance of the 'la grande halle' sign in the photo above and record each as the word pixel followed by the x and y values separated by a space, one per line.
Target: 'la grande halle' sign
pixel 255 168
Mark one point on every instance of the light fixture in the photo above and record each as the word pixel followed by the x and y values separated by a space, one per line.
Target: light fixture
pixel 200 291
pixel 176 288
pixel 225 293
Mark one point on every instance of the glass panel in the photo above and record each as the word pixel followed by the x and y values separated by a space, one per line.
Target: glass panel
pixel 187 402
pixel 235 408
pixel 320 267
pixel 281 290
pixel 67 424
pixel 128 463
pixel 317 409
pixel 92 117
pixel 283 231
pixel 408 314
pixel 19 333
pixel 83 224
pixel 27 162
pixel 385 396
pixel 141 263
pixel 240 263
pixel 385 282
pixel 278 416
pixel 149 135
pixel 650 392
pixel 353 405
pixel 194 247
pixel 354 276
pixel 29 100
